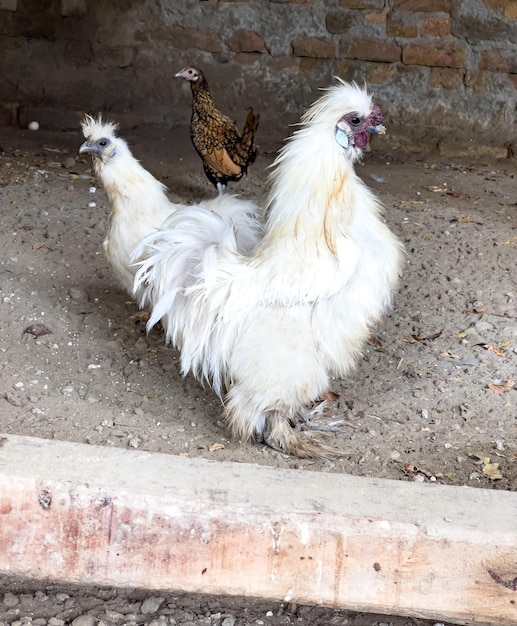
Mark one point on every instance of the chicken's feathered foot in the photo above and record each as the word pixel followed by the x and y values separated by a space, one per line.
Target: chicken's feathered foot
pixel 280 435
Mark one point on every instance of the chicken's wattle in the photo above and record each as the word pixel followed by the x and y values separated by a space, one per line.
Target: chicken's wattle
pixel 361 140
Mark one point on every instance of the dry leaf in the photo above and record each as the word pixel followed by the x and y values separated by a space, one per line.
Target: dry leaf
pixel 413 469
pixel 373 341
pixel 494 349
pixel 500 388
pixel 216 446
pixel 432 337
pixel 37 245
pixel 492 471
pixel 185 454
pixel 449 355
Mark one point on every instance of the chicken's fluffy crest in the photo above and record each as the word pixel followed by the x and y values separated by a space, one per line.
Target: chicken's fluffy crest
pixel 92 127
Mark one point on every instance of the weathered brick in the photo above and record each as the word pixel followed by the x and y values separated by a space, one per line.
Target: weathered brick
pixel 429 6
pixel 452 55
pixel 362 4
pixel 8 5
pixel 510 10
pixel 379 73
pixel 74 7
pixel 398 28
pixel 370 50
pixel 339 22
pixel 376 17
pixel 497 61
pixel 446 78
pixel 106 56
pixel 243 40
pixel 478 82
pixel 185 38
pixel 314 47
pixel 79 51
pixel 435 26
pixel 9 113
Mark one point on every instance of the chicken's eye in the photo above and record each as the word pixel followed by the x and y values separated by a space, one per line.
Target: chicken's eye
pixel 103 143
pixel 355 121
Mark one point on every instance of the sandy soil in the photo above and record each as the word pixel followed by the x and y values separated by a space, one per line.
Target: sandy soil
pixel 431 400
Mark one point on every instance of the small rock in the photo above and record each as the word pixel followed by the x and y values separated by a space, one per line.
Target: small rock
pixel 114 616
pixel 62 597
pixel 55 621
pixel 151 605
pixel 69 163
pixel 424 414
pixel 230 620
pixel 77 293
pixel 84 620
pixel 10 599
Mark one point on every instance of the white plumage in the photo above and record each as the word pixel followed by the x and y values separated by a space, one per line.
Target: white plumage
pixel 268 329
pixel 139 202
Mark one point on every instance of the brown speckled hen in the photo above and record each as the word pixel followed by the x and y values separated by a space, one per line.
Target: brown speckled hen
pixel 225 152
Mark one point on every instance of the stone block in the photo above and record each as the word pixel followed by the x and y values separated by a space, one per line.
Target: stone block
pixel 362 4
pixel 435 26
pixel 121 56
pixel 186 38
pixel 429 6
pixel 370 50
pixel 9 113
pixel 74 7
pixel 477 82
pixel 452 55
pixel 376 17
pixel 496 60
pixel 8 5
pixel 380 73
pixel 397 27
pixel 338 22
pixel 244 40
pixel 446 78
pixel 314 47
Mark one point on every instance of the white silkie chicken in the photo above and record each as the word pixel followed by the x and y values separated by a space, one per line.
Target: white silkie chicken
pixel 139 202
pixel 267 330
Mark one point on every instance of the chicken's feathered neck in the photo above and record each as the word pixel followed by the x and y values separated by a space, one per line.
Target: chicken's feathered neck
pixel 123 178
pixel 313 192
pixel 200 85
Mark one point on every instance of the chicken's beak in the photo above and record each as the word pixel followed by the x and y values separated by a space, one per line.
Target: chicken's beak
pixel 86 147
pixel 377 129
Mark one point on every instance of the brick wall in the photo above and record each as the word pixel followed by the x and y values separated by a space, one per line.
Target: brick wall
pixel 443 71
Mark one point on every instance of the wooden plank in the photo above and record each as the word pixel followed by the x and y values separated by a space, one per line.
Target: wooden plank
pixel 95 515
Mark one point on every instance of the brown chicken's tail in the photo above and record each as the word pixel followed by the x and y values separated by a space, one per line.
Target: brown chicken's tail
pixel 248 135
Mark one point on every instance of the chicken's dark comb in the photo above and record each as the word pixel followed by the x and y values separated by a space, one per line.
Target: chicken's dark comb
pixel 375 118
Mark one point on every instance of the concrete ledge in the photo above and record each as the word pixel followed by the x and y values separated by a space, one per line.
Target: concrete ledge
pixel 95 515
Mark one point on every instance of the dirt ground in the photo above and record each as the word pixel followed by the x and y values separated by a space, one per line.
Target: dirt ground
pixel 431 400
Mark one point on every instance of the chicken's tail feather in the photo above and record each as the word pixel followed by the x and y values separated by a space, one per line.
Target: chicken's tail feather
pixel 185 272
pixel 248 135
